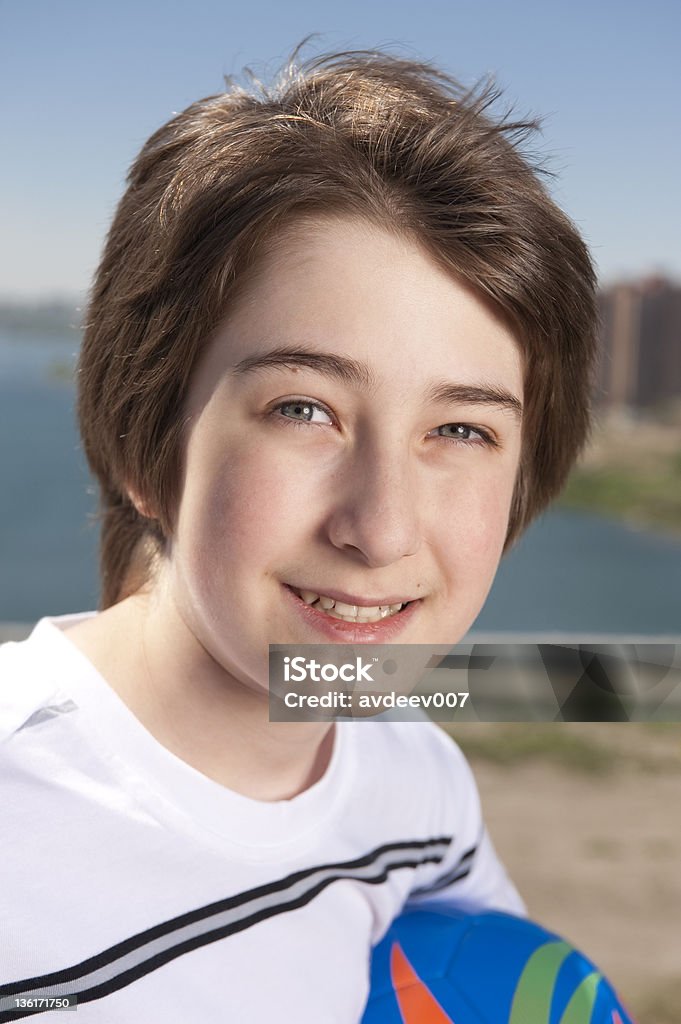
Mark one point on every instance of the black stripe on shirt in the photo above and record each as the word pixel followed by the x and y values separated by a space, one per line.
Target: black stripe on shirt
pixel 422 852
pixel 461 869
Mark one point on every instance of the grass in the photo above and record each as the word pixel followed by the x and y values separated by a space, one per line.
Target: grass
pixel 590 749
pixel 643 493
pixel 511 745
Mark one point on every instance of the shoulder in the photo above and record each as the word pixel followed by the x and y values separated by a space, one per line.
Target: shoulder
pixel 33 674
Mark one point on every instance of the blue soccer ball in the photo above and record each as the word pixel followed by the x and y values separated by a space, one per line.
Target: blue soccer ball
pixel 447 967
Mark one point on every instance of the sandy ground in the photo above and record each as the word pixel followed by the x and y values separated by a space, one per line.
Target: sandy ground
pixel 597 853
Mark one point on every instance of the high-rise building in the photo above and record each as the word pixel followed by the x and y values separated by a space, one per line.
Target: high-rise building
pixel 640 364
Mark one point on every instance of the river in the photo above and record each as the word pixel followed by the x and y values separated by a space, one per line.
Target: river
pixel 571 572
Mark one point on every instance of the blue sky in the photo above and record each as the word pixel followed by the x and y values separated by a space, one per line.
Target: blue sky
pixel 84 82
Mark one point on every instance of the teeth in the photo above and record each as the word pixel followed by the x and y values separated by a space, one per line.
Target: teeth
pixel 349 612
pixel 353 618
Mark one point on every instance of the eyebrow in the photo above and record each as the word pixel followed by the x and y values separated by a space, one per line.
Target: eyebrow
pixel 359 375
pixel 476 394
pixel 339 368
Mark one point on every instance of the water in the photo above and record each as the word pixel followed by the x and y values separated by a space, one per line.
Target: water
pixel 574 572
pixel 570 572
pixel 47 543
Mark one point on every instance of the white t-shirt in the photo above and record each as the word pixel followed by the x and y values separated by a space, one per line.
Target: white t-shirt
pixel 155 894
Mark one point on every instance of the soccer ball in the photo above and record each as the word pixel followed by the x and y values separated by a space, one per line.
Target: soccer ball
pixel 447 967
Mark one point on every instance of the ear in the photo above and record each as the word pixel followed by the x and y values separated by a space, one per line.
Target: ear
pixel 141 504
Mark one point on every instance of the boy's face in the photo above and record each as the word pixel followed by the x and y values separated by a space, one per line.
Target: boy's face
pixel 374 464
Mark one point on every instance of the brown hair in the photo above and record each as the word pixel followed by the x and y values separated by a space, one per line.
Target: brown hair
pixel 390 140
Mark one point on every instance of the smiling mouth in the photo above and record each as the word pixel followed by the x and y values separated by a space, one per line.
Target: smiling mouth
pixel 355 613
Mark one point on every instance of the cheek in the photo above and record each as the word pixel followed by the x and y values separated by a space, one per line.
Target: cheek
pixel 477 526
pixel 237 511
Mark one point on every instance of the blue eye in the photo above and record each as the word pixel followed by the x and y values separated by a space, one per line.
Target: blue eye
pixel 458 430
pixel 301 410
pixel 466 434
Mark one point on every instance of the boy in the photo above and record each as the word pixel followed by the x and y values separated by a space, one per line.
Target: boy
pixel 337 357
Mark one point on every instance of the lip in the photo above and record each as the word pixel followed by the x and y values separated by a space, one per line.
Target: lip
pixel 353 632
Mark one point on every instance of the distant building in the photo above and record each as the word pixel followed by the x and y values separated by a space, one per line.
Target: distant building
pixel 640 364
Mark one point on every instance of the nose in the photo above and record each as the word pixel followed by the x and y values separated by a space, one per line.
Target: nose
pixel 374 509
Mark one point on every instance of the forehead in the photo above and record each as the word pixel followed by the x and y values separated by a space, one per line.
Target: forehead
pixel 345 286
